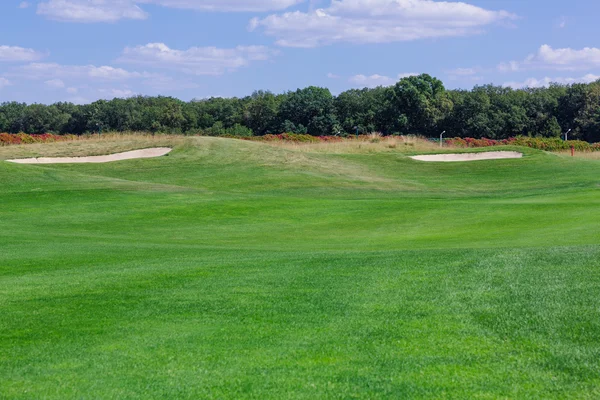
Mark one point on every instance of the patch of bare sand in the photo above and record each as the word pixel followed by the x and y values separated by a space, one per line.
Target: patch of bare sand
pixel 490 155
pixel 128 155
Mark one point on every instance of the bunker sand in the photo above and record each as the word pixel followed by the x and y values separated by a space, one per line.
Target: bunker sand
pixel 128 155
pixel 491 155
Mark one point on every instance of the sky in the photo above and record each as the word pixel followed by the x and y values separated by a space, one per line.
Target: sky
pixel 84 50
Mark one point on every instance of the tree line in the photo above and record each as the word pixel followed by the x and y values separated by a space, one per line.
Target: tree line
pixel 415 105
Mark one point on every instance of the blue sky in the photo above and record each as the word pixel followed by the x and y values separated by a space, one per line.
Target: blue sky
pixel 84 50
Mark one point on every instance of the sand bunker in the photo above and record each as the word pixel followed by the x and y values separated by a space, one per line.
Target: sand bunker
pixel 491 155
pixel 128 155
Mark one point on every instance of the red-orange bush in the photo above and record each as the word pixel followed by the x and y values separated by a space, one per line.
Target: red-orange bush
pixel 23 138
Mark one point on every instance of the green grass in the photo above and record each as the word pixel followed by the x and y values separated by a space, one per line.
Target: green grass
pixel 231 269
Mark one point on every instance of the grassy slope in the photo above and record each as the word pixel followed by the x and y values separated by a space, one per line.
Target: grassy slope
pixel 234 269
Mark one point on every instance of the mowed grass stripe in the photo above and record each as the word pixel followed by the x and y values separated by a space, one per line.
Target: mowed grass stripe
pixel 265 273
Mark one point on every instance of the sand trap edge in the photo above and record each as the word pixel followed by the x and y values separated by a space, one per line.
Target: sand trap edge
pixel 128 155
pixel 464 157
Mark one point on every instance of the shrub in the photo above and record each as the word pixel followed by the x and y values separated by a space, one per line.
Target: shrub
pixel 23 138
pixel 548 144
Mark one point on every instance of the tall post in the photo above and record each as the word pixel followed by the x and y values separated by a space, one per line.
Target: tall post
pixel 442 139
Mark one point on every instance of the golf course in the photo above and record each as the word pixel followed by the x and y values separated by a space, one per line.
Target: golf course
pixel 231 269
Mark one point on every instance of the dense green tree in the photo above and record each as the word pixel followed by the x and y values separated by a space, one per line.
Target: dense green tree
pixel 587 117
pixel 311 108
pixel 261 112
pixel 11 116
pixel 417 104
pixel 424 103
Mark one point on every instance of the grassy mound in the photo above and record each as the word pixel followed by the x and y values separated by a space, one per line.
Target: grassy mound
pixel 234 269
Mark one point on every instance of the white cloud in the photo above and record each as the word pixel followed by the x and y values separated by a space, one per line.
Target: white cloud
pixel 377 21
pixel 377 80
pixel 83 82
pixel 559 59
pixel 90 10
pixel 54 71
pixel 4 82
pixel 15 53
pixel 24 4
pixel 333 76
pixel 195 60
pixel 115 10
pixel 55 83
pixel 226 5
pixel 544 82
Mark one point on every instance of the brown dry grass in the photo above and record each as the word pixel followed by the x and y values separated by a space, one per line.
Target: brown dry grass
pixel 375 144
pixel 581 154
pixel 110 143
pixel 91 145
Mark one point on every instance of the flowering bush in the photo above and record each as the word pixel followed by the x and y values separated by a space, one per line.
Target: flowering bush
pixel 548 144
pixel 23 138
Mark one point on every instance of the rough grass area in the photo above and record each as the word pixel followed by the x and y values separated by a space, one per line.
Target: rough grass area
pixel 582 154
pixel 372 144
pixel 91 145
pixel 234 269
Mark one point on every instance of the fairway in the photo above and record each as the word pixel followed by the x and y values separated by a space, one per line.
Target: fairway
pixel 234 269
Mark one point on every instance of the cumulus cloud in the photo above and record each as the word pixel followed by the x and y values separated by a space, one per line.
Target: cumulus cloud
pixel 19 54
pixel 377 21
pixel 195 60
pixel 544 82
pixel 226 5
pixel 90 10
pixel 54 72
pixel 560 59
pixel 115 10
pixel 84 82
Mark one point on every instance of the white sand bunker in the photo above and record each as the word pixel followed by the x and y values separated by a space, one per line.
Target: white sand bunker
pixel 128 155
pixel 490 155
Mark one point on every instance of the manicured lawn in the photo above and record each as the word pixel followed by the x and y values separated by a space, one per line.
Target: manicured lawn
pixel 240 270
